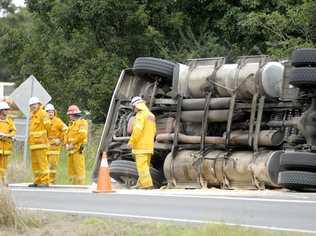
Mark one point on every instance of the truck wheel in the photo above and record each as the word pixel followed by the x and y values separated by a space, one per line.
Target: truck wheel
pixel 153 66
pixel 304 57
pixel 125 173
pixel 297 180
pixel 303 76
pixel 304 161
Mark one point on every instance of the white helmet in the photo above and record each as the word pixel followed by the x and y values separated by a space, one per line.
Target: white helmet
pixel 34 100
pixel 136 100
pixel 49 107
pixel 4 106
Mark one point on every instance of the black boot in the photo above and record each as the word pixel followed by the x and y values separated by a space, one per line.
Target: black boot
pixel 32 185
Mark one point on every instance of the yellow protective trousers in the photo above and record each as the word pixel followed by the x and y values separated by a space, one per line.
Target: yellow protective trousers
pixel 143 165
pixel 76 168
pixel 53 161
pixel 3 167
pixel 40 166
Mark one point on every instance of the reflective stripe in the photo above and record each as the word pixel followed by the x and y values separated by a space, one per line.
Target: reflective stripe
pixel 38 133
pixel 5 152
pixel 73 151
pixel 142 151
pixel 42 172
pixel 53 137
pixel 83 131
pixel 52 152
pixel 38 146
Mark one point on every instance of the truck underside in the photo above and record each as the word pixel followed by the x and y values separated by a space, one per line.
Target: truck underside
pixel 250 124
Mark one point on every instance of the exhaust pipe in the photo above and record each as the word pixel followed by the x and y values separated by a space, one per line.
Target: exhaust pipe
pixel 266 138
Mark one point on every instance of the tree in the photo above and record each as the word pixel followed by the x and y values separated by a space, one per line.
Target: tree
pixel 7 7
pixel 76 48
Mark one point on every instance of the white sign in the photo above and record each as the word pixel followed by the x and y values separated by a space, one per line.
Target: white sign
pixel 29 88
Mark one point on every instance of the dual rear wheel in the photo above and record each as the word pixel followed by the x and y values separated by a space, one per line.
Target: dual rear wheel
pixel 298 170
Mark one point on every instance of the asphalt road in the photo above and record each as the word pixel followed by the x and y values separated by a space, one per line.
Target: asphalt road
pixel 264 209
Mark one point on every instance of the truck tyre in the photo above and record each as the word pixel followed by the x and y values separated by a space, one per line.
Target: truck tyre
pixel 125 172
pixel 304 57
pixel 297 180
pixel 303 161
pixel 153 66
pixel 303 76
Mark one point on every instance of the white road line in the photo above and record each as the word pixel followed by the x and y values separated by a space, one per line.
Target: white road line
pixel 162 194
pixel 167 219
pixel 225 198
pixel 51 190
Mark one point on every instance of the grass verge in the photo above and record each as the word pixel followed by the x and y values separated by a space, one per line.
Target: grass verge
pixel 71 225
pixel 23 222
pixel 13 221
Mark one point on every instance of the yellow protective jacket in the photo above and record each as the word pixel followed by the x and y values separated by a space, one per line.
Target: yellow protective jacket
pixel 143 132
pixel 7 131
pixel 77 134
pixel 38 127
pixel 56 132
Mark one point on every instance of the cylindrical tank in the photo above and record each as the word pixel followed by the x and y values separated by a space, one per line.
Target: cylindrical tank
pixel 181 168
pixel 245 80
pixel 198 76
pixel 265 138
pixel 240 169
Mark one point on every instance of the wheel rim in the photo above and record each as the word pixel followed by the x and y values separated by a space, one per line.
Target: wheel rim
pixel 127 181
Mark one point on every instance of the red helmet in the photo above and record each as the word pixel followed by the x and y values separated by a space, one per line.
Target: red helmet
pixel 73 109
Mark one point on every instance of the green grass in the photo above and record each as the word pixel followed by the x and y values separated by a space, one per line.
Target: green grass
pixel 35 223
pixel 24 222
pixel 90 153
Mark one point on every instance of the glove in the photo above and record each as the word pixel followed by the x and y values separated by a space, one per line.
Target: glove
pixel 57 141
pixel 3 136
pixel 69 146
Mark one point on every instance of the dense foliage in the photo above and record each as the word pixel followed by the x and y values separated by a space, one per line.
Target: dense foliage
pixel 77 48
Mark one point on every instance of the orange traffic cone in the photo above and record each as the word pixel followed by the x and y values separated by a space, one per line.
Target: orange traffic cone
pixel 104 180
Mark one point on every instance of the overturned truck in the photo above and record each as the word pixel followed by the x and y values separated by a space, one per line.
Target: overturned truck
pixel 250 124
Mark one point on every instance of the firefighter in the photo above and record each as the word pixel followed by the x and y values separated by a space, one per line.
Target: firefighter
pixel 38 142
pixel 142 141
pixel 7 133
pixel 75 140
pixel 55 138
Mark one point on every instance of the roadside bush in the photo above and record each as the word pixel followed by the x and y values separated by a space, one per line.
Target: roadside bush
pixel 8 213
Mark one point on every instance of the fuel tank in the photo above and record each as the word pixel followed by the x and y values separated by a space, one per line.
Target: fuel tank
pixel 218 168
pixel 243 79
